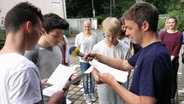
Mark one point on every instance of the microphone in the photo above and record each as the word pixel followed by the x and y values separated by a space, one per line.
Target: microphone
pixel 74 51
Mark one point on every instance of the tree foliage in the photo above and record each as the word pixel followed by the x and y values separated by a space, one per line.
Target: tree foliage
pixel 105 8
pixel 162 5
pixel 83 8
pixel 178 12
pixel 2 37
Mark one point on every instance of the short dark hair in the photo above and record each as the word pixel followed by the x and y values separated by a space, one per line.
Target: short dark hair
pixel 141 12
pixel 53 21
pixel 21 13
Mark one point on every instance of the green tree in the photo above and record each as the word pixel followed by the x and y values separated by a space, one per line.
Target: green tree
pixel 78 8
pixel 178 12
pixel 162 5
pixel 83 8
pixel 2 37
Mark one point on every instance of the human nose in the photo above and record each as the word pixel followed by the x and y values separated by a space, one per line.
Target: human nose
pixel 127 32
pixel 111 38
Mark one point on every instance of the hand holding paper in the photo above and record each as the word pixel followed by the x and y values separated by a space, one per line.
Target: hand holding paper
pixel 119 75
pixel 58 79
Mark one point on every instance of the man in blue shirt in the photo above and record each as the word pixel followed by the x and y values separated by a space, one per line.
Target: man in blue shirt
pixel 151 83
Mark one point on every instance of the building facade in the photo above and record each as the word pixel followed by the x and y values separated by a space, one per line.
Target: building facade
pixel 46 6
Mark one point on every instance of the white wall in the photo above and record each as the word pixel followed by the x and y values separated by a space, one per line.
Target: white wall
pixel 46 6
pixel 77 23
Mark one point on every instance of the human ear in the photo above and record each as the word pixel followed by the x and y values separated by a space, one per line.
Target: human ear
pixel 145 25
pixel 43 31
pixel 28 26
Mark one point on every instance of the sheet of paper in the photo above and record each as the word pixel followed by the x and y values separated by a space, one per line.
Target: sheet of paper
pixel 79 77
pixel 119 75
pixel 59 79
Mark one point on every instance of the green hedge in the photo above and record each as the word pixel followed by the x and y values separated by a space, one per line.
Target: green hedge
pixel 178 12
pixel 71 32
pixel 2 38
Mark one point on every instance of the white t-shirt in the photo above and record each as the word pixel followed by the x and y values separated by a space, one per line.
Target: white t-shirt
pixel 121 51
pixel 85 44
pixel 20 80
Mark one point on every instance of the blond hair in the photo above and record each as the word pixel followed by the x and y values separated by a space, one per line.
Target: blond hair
pixel 111 25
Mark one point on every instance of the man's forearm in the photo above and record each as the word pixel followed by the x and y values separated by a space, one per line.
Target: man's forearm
pixel 128 96
pixel 114 62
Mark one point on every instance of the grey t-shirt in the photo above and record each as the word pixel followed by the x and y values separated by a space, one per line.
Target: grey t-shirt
pixel 46 59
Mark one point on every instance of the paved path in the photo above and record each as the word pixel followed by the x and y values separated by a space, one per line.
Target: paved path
pixel 75 93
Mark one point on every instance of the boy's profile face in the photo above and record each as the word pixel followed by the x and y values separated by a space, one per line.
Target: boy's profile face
pixel 111 38
pixel 54 37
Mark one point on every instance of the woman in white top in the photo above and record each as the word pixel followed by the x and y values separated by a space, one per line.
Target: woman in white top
pixel 85 42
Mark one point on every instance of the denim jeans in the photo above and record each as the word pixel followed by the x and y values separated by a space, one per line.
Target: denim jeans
pixel 84 66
